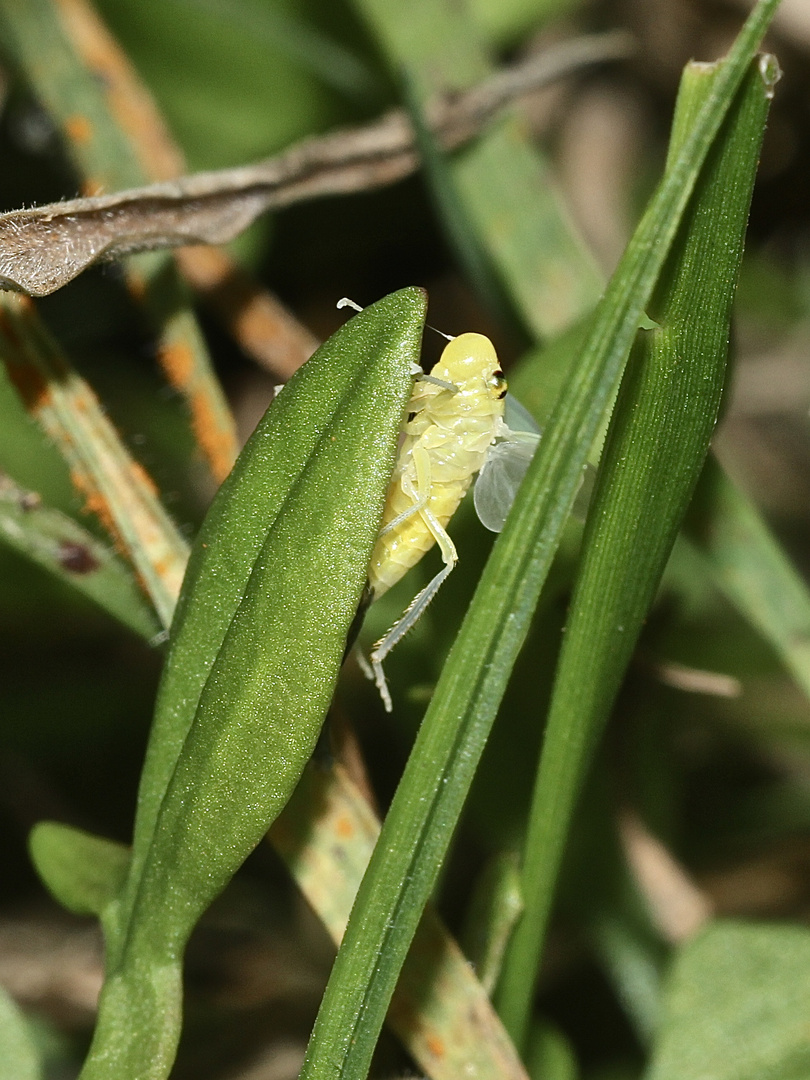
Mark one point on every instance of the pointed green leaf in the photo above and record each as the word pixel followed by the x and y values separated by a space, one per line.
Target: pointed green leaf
pixel 326 393
pixel 272 588
pixel 84 872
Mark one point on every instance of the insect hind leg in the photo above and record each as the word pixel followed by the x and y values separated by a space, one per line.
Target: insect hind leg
pixel 411 615
pixel 416 608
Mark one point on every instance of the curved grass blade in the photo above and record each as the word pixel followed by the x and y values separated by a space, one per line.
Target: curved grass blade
pixel 659 436
pixel 55 542
pixel 258 638
pixel 428 802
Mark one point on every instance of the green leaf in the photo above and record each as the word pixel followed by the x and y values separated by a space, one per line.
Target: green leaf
pixel 55 542
pixel 737 1006
pixel 273 585
pixel 84 872
pixel 657 443
pixel 19 1059
pixel 429 799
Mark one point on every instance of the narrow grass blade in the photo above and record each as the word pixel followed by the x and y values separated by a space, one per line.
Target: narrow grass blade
pixel 657 443
pixel 748 565
pixel 115 486
pixel 428 802
pixel 55 542
pixel 48 42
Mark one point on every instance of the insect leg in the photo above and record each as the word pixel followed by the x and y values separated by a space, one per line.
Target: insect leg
pixel 410 616
pixel 417 506
pixel 417 606
pixel 419 494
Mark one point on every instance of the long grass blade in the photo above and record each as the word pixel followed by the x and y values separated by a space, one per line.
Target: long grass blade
pixel 659 437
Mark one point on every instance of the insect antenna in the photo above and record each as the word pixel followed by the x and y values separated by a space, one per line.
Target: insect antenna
pixel 345 301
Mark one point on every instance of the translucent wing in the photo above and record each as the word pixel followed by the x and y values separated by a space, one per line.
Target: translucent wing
pixel 500 478
pixel 506 465
pixel 517 417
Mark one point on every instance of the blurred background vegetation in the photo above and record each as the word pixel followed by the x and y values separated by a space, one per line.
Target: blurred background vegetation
pixel 720 767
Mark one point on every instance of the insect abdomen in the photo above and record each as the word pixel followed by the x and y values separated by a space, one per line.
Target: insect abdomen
pixel 396 552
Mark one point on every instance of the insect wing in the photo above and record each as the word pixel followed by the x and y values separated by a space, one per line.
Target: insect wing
pixel 517 417
pixel 500 478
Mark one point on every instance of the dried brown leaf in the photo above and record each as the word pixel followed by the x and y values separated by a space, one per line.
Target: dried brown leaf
pixel 41 249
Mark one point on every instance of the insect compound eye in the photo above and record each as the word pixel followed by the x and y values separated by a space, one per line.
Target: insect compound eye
pixel 497 383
